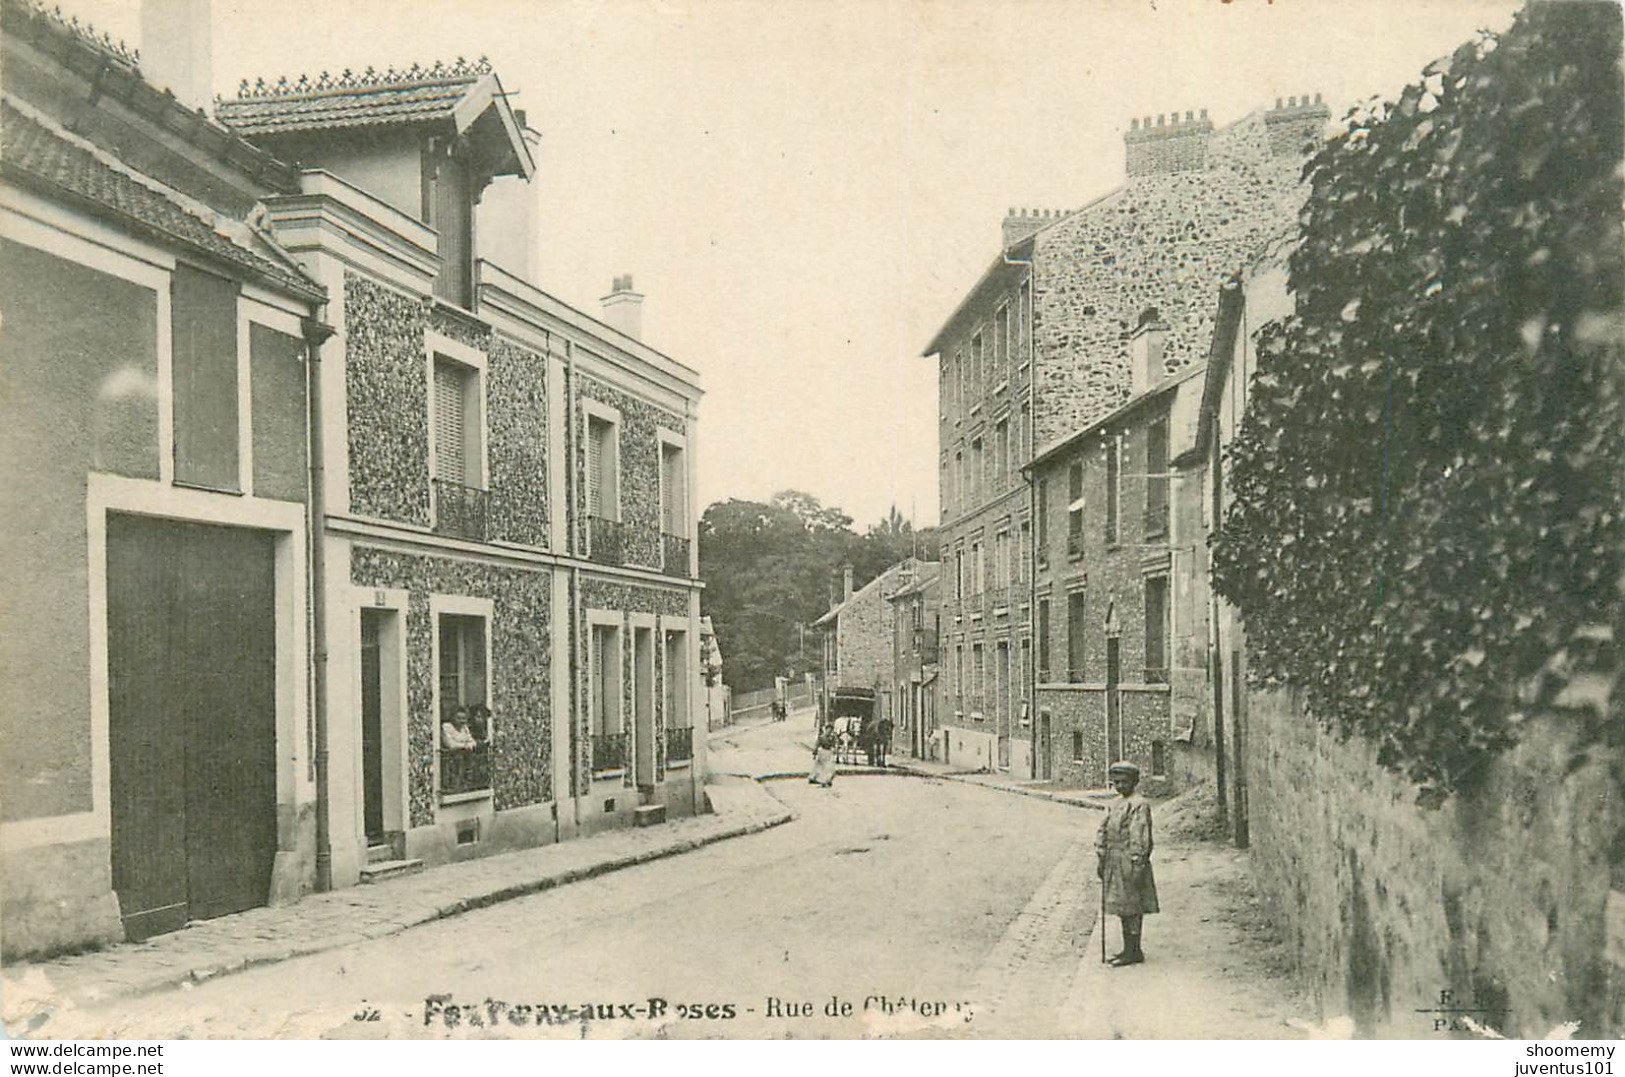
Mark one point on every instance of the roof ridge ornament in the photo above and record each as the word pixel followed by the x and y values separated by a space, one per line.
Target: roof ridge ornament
pixel 84 31
pixel 459 70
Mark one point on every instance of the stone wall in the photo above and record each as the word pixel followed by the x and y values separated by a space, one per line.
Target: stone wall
pixel 668 605
pixel 1164 240
pixel 386 382
pixel 864 638
pixel 521 643
pixel 1498 897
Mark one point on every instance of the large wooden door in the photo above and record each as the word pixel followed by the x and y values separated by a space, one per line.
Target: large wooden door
pixel 192 719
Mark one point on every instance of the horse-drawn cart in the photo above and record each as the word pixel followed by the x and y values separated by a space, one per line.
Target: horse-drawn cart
pixel 850 717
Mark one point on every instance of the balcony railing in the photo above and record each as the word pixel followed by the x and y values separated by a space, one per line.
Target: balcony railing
pixel 610 752
pixel 1074 545
pixel 606 540
pixel 459 510
pixel 465 770
pixel 674 554
pixel 679 743
pixel 1156 675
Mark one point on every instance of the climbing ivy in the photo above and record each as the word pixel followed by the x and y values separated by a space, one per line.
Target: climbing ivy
pixel 1426 528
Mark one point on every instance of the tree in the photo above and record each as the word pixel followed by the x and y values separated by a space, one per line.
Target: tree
pixel 1426 531
pixel 768 567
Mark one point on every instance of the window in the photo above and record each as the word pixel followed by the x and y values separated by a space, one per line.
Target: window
pixel 978 677
pixel 959 481
pixel 1077 746
pixel 978 368
pixel 1159 759
pixel 1076 625
pixel 1074 511
pixel 1156 630
pixel 1156 478
pixel 976 474
pixel 1001 559
pixel 1001 672
pixel 674 519
pixel 959 573
pixel 1001 343
pixel 1026 676
pixel 673 489
pixel 979 567
pixel 1023 323
pixel 1043 639
pixel 956 388
pixel 465 721
pixel 959 675
pixel 1021 566
pixel 601 469
pixel 457 459
pixel 1114 478
pixel 451 214
pixel 1041 512
pixel 605 720
pixel 1001 465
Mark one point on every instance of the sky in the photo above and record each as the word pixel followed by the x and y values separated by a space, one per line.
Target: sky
pixel 804 189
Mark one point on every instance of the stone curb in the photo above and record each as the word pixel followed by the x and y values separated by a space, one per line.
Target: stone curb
pixel 180 974
pixel 966 780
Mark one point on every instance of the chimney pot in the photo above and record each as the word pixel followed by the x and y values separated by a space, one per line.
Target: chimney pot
pixel 1134 124
pixel 1189 116
pixel 1278 104
pixel 846 582
pixel 1204 114
pixel 623 308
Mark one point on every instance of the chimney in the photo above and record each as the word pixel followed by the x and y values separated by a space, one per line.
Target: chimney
pixel 1018 224
pixel 623 308
pixel 846 580
pixel 177 50
pixel 1145 345
pixel 1295 125
pixel 1171 145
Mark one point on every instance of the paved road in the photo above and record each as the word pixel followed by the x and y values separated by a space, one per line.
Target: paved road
pixel 967 909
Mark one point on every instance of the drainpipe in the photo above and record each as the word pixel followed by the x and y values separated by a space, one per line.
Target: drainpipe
pixel 316 332
pixel 1029 688
pixel 577 644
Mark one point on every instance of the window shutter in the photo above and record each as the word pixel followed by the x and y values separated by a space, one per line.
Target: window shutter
pixel 448 423
pixel 595 456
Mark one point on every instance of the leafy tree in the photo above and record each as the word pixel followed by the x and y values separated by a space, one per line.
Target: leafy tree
pixel 768 569
pixel 1426 532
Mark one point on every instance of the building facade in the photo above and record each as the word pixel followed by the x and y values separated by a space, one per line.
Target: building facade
pixel 156 762
pixel 1040 348
pixel 506 513
pixel 388 554
pixel 916 616
pixel 858 634
pixel 1120 586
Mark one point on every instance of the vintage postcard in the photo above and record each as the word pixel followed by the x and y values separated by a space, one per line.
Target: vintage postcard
pixel 896 520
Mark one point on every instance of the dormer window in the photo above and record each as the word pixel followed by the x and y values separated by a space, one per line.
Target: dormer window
pixel 449 209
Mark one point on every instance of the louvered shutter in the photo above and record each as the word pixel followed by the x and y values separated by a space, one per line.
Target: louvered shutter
pixel 595 456
pixel 448 423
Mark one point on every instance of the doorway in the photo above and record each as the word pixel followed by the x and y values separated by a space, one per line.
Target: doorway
pixel 1114 706
pixel 643 703
pixel 1046 767
pixel 191 663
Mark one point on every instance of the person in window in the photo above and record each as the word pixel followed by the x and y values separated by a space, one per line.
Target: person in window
pixel 479 723
pixel 455 735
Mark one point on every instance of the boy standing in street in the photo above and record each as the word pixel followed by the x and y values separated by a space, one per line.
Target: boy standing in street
pixel 1123 862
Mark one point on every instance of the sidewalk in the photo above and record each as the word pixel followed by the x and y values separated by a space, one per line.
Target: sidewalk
pixel 337 918
pixel 1093 799
pixel 1215 967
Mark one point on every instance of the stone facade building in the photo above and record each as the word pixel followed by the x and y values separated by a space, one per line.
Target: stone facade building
pixel 1040 348
pixel 330 477
pixel 1120 585
pixel 857 636
pixel 916 620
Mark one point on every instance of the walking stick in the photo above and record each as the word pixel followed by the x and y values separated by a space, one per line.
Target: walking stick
pixel 1102 921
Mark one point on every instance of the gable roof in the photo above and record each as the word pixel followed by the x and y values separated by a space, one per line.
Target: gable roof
pixel 49 162
pixel 459 93
pixel 869 589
